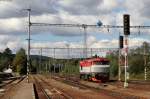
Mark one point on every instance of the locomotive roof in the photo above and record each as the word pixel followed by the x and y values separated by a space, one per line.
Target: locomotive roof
pixel 95 59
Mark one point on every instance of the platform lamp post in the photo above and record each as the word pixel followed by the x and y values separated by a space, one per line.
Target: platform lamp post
pixel 126 24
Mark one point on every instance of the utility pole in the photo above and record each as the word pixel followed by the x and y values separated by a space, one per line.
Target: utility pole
pixel 49 65
pixel 68 57
pixel 28 55
pixel 68 51
pixel 54 60
pixel 119 67
pixel 145 68
pixel 46 67
pixel 91 52
pixel 85 40
pixel 40 59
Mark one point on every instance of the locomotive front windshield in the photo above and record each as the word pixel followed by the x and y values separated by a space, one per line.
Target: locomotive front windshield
pixel 101 63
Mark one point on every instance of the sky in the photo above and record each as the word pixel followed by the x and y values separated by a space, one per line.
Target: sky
pixel 13 22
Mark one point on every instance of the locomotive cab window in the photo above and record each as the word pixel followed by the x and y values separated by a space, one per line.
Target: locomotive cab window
pixel 97 63
pixel 101 63
pixel 105 63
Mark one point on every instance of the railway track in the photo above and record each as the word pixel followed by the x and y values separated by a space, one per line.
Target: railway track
pixel 39 88
pixel 71 81
pixel 133 84
pixel 8 81
pixel 140 82
pixel 9 84
pixel 71 90
pixel 49 91
pixel 76 82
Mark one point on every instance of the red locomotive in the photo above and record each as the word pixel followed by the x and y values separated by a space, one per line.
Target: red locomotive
pixel 95 69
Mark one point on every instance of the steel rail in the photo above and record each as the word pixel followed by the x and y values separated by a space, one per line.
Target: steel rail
pixel 42 89
pixel 56 89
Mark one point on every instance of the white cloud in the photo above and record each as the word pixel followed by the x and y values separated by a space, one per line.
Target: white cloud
pixel 88 7
pixel 63 14
pixel 12 26
pixel 136 42
pixel 12 42
pixel 15 8
pixel 108 5
pixel 19 25
pixel 139 11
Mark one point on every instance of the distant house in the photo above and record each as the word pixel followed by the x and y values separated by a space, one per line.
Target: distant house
pixel 9 70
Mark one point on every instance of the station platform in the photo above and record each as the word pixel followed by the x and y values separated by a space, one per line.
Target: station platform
pixel 26 91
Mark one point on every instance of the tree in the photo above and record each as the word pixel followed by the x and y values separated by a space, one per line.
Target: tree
pixel 6 59
pixel 136 58
pixel 7 52
pixel 113 57
pixel 34 65
pixel 136 64
pixel 19 62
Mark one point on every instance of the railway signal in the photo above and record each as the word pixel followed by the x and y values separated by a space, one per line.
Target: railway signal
pixel 120 47
pixel 121 42
pixel 126 23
